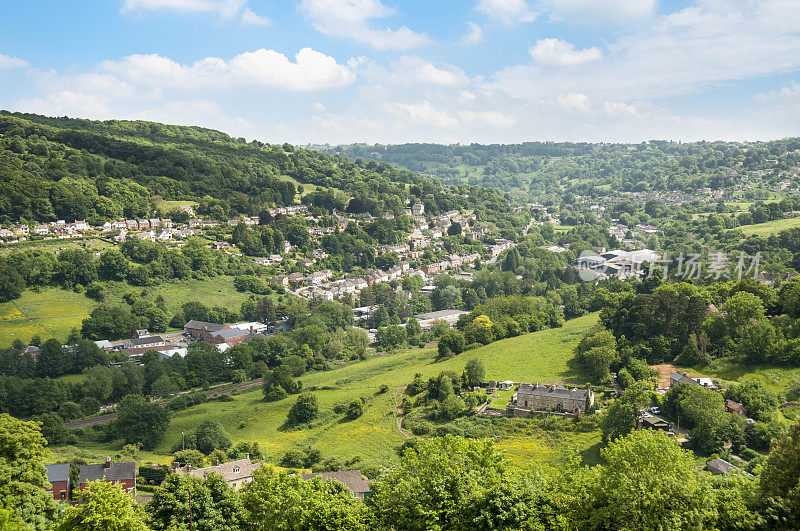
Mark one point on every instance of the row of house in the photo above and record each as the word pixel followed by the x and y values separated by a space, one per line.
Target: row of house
pixel 117 473
pixel 557 398
pixel 239 472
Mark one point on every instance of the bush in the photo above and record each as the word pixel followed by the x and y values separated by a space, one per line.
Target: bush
pixel 294 459
pixel 89 405
pixel 305 409
pixel 275 393
pixel 210 436
pixel 355 409
pixel 451 407
pixel 383 389
pixel 239 376
pixel 70 411
pixel 423 428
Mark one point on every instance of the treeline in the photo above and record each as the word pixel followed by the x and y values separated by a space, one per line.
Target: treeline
pixel 80 169
pixel 138 262
pixel 646 481
pixel 542 170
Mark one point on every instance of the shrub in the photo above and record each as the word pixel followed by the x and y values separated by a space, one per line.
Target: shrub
pixel 355 409
pixel 305 409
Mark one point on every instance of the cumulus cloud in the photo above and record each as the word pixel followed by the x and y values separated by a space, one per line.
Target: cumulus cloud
pixel 7 61
pixel 250 17
pixel 607 11
pixel 507 11
pixel 416 70
pixel 351 19
pixel 311 70
pixel 473 36
pixel 573 102
pixel 424 113
pixel 561 53
pixel 227 9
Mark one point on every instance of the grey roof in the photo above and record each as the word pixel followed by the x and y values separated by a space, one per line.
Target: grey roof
pixel 353 479
pixel 203 325
pixel 231 332
pixel 230 471
pixel 441 314
pixel 57 472
pixel 115 472
pixel 145 340
pixel 553 391
pixel 721 467
pixel 31 349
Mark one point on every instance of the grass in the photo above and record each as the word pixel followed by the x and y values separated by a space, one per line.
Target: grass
pixel 50 312
pixel 540 356
pixel 53 312
pixel 775 378
pixel 89 244
pixel 770 227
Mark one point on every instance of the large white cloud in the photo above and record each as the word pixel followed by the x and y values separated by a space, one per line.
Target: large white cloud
pixel 311 70
pixel 507 11
pixel 351 19
pixel 562 53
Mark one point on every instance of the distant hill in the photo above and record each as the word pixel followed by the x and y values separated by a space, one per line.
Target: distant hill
pixel 65 168
pixel 547 170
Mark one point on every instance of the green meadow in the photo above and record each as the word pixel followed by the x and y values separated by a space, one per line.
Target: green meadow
pixel 538 357
pixel 770 227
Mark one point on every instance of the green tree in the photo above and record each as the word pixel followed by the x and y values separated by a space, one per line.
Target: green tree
pixel 141 422
pixel 436 482
pixel 648 482
pixel 474 372
pixel 23 476
pixel 104 506
pixel 305 409
pixel 214 505
pixel 210 435
pixel 276 500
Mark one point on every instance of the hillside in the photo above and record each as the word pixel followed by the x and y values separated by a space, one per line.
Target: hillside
pixel 539 356
pixel 63 168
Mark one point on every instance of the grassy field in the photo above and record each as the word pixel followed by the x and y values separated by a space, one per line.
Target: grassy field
pixel 540 356
pixel 53 312
pixel 50 312
pixel 770 227
pixel 775 378
pixel 89 244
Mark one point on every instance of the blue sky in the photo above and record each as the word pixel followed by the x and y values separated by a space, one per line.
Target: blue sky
pixel 340 71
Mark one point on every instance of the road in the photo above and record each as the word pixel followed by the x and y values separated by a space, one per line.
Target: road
pixel 102 419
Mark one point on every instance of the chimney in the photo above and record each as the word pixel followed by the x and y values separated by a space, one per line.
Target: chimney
pixel 247 456
pixel 218 461
pixel 251 329
pixel 107 464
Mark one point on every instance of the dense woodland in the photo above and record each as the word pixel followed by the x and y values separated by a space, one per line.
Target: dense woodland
pixel 545 170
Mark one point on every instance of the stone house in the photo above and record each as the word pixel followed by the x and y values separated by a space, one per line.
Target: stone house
pixel 541 397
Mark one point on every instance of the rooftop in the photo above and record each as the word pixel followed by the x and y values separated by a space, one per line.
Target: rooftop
pixel 114 472
pixel 57 472
pixel 353 479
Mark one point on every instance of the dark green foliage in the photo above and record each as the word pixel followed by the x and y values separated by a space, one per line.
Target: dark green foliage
pixel 304 410
pixel 210 436
pixel 141 422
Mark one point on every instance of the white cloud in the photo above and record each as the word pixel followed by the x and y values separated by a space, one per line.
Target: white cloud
pixel 250 17
pixel 562 53
pixel 788 92
pixel 318 107
pixel 424 113
pixel 69 103
pixel 490 118
pixel 474 36
pixel 416 70
pixel 225 8
pixel 573 102
pixel 311 70
pixel 605 11
pixel 616 108
pixel 7 61
pixel 507 11
pixel 351 18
